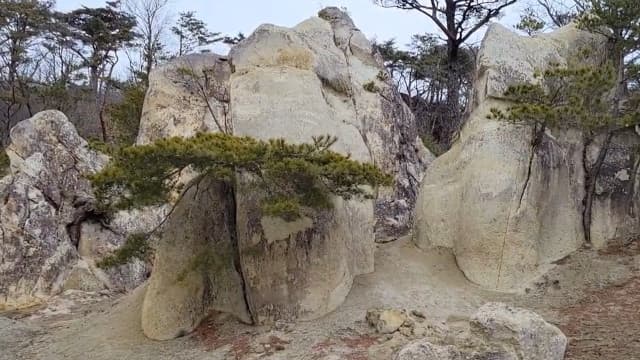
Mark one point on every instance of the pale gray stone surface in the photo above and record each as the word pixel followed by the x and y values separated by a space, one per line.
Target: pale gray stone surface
pixel 507 209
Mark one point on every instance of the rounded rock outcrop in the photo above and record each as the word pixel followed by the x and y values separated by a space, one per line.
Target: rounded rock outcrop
pixel 509 209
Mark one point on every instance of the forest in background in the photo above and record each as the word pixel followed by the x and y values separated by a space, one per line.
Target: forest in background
pixel 93 63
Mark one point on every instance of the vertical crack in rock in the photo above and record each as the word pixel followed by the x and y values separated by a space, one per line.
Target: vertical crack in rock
pixel 361 129
pixel 233 231
pixel 591 180
pixel 535 139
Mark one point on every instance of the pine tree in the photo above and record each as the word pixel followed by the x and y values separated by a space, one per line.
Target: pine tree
pixel 99 34
pixel 294 177
pixel 22 22
pixel 577 97
pixel 530 23
pixel 193 33
pixel 457 21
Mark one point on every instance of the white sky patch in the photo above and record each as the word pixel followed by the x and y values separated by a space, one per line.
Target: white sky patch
pixel 231 17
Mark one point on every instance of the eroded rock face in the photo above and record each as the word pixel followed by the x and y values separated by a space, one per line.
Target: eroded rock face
pixel 196 268
pixel 509 209
pixel 307 270
pixel 175 105
pixel 291 83
pixel 43 197
pixel 46 210
pixel 297 83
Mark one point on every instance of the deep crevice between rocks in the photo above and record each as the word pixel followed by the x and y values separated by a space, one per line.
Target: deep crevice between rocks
pixel 536 138
pixel 231 207
pixel 84 211
pixel 591 174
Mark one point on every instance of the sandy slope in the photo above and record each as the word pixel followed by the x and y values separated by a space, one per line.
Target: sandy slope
pixel 405 278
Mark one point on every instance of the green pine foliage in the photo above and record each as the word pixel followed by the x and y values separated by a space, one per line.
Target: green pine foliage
pixel 618 20
pixel 293 176
pixel 530 23
pixel 566 97
pixel 126 114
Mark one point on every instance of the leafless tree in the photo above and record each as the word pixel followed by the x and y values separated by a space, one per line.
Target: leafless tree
pixel 153 19
pixel 559 12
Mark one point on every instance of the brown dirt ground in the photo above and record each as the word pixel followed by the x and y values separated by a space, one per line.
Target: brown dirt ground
pixel 605 324
pixel 594 297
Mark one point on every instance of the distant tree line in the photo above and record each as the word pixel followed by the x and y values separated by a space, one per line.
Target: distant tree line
pixel 92 63
pixel 436 72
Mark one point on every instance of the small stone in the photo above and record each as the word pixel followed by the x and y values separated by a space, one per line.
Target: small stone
pixel 386 321
pixel 409 323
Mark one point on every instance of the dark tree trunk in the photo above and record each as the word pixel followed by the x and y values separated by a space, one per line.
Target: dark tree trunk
pixel 592 173
pixel 453 84
pixel 591 180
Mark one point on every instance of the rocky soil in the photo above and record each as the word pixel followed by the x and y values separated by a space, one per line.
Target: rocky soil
pixel 589 295
pixel 605 323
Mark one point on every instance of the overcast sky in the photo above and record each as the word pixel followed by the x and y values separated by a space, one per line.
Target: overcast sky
pixel 233 16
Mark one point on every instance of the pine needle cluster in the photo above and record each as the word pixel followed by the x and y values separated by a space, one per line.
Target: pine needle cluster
pixel 566 97
pixel 293 176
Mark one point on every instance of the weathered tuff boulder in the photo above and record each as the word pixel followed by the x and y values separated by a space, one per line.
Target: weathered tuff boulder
pixel 47 215
pixel 508 211
pixel 497 332
pixel 175 106
pixel 257 85
pixel 197 267
pixel 291 83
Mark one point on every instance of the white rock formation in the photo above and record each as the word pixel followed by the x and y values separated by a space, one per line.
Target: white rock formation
pixel 46 215
pixel 291 83
pixel 296 83
pixel 508 211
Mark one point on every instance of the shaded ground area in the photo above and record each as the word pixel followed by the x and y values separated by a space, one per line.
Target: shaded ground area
pixel 605 324
pixel 594 297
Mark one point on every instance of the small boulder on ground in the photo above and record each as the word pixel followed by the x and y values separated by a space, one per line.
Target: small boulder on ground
pixel 532 337
pixel 386 321
pixel 497 332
